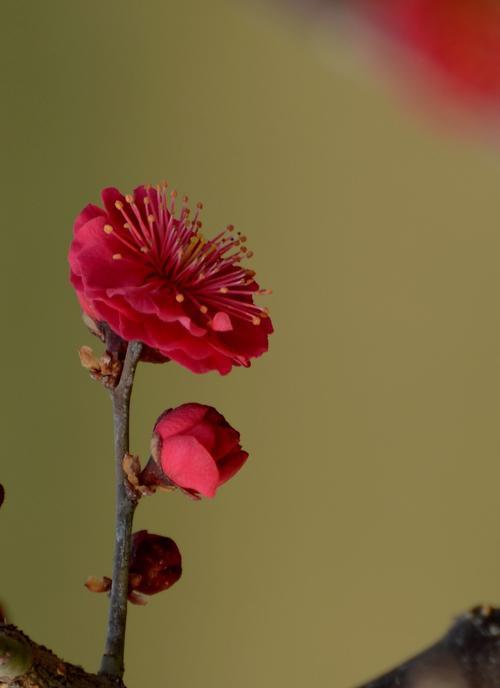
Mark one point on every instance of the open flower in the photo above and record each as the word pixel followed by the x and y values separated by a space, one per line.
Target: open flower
pixel 152 276
pixel 196 448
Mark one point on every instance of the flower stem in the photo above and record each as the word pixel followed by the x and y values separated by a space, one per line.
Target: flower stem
pixel 112 660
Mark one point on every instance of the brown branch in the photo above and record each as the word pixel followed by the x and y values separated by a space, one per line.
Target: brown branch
pixel 25 664
pixel 126 500
pixel 468 656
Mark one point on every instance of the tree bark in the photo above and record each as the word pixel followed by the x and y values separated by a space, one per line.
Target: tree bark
pixel 468 656
pixel 25 664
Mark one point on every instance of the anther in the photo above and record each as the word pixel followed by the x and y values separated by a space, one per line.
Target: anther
pixel 117 256
pixel 119 205
pixel 108 229
pixel 146 200
pixel 199 205
pixel 203 309
pixel 230 228
pixel 223 290
pixel 151 218
pixel 126 225
pixel 129 198
pixel 144 249
pixel 179 298
pixel 256 320
pixel 250 254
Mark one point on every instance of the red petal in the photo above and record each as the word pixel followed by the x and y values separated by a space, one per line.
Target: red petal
pixel 179 420
pixel 188 464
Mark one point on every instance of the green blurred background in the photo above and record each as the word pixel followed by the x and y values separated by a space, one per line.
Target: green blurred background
pixel 368 514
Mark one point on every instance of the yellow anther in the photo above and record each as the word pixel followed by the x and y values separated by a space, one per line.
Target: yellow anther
pixel 119 205
pixel 151 219
pixel 223 290
pixel 203 309
pixel 146 200
pixel 108 229
pixel 129 198
pixel 144 249
pixel 179 298
pixel 117 256
pixel 256 320
pixel 126 225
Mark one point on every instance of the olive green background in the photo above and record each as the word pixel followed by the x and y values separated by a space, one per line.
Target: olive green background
pixel 369 512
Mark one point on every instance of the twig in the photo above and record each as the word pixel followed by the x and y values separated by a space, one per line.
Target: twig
pixel 112 660
pixel 468 656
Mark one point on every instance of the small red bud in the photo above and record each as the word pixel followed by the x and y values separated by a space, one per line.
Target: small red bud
pixel 155 563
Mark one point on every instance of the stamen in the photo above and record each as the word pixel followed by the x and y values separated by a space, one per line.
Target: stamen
pixel 179 298
pixel 108 229
pixel 117 256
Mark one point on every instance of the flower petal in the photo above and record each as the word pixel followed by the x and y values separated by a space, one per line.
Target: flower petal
pixel 231 465
pixel 179 420
pixel 222 322
pixel 188 464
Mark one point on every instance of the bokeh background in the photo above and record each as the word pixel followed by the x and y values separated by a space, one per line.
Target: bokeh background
pixel 368 514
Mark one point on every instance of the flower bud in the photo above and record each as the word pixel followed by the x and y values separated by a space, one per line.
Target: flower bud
pixel 155 564
pixel 196 448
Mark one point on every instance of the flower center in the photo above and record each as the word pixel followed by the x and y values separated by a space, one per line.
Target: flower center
pixel 205 273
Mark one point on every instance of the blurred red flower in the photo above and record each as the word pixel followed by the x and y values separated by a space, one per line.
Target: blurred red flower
pixel 197 449
pixel 456 43
pixel 151 276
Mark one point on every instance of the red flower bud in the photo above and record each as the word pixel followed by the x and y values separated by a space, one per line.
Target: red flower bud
pixel 155 564
pixel 197 449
